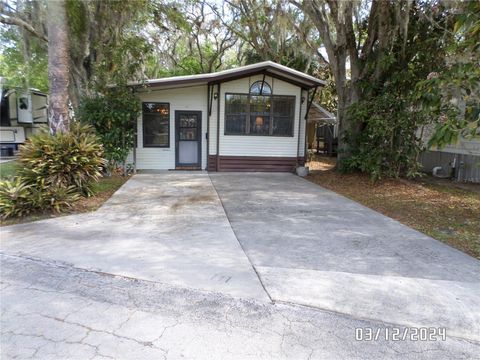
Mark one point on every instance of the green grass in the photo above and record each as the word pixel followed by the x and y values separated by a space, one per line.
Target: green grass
pixel 107 184
pixel 8 169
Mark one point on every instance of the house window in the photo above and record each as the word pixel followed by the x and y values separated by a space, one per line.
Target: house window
pixel 259 112
pixel 260 115
pixel 235 113
pixel 283 110
pixel 260 88
pixel 156 124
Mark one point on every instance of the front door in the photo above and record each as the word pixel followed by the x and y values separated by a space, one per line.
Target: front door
pixel 188 139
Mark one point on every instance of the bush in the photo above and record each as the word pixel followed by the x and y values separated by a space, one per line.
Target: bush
pixel 57 171
pixel 16 197
pixel 19 198
pixel 114 117
pixel 387 144
pixel 72 159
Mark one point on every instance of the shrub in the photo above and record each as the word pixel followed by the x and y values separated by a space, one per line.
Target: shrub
pixel 387 145
pixel 71 160
pixel 113 115
pixel 19 198
pixel 56 171
pixel 58 198
pixel 16 197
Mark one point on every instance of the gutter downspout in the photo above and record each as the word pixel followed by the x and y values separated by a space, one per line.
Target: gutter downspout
pixel 209 112
pixel 299 125
pixel 309 105
pixel 218 128
pixel 135 124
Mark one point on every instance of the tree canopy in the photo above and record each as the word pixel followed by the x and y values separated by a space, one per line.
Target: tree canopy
pixel 416 59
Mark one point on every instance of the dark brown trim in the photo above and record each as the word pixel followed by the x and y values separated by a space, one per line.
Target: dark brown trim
pixel 212 163
pixel 263 83
pixel 198 164
pixel 279 77
pixel 299 122
pixel 218 128
pixel 271 72
pixel 268 70
pixel 210 98
pixel 209 113
pixel 310 102
pixel 254 163
pixel 309 105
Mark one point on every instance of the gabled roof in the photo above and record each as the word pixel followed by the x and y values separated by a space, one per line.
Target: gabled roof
pixel 320 114
pixel 267 67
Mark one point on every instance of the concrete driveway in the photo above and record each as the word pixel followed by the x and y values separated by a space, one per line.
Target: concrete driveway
pixel 167 227
pixel 231 266
pixel 314 247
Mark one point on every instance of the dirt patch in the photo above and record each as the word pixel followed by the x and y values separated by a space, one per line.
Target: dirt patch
pixel 323 163
pixel 450 183
pixel 443 210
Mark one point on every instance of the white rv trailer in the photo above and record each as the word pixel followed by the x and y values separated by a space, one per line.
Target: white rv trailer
pixel 23 112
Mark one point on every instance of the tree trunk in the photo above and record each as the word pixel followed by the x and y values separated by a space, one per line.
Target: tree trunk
pixel 58 66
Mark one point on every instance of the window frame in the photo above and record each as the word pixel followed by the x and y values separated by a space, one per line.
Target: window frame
pixel 247 118
pixel 262 86
pixel 169 125
pixel 247 114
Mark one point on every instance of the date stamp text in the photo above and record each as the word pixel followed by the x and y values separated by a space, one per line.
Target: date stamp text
pixel 401 334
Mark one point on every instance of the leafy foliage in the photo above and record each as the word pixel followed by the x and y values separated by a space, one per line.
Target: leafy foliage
pixel 113 116
pixel 390 48
pixel 452 94
pixel 72 159
pixel 22 64
pixel 16 197
pixel 188 38
pixel 56 171
pixel 383 137
pixel 387 146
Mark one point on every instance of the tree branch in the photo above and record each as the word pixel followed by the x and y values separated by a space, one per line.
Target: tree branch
pixel 9 18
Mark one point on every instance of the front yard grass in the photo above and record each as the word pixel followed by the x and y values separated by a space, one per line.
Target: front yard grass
pixel 103 189
pixel 8 169
pixel 444 210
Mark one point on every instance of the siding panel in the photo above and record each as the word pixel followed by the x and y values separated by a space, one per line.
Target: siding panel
pixel 213 126
pixel 191 98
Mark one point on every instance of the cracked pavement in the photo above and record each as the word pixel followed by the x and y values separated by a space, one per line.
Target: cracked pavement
pixel 162 271
pixel 55 311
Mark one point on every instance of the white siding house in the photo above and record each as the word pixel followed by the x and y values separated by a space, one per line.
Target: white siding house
pixel 192 98
pixel 250 118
